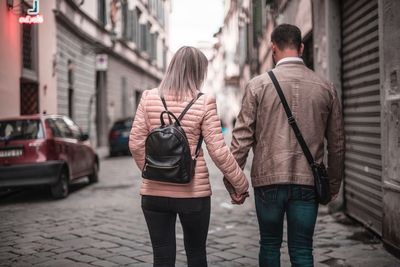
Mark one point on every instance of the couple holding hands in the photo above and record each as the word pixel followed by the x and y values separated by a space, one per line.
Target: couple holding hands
pixel 281 176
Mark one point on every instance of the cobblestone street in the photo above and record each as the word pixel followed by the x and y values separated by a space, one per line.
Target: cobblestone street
pixel 103 225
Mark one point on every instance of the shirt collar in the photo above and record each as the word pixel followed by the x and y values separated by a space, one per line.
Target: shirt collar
pixel 290 59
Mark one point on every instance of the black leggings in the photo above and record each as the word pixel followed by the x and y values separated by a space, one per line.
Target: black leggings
pixel 194 214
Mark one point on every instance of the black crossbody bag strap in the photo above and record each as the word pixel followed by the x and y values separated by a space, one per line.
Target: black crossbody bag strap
pixel 292 120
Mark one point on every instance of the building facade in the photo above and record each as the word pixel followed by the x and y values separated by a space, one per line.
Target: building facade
pixel 224 68
pixel 365 35
pixel 352 43
pixel 89 60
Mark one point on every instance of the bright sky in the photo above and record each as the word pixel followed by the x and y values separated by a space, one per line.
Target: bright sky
pixel 192 21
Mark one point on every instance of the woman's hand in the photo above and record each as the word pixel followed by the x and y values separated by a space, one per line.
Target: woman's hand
pixel 239 199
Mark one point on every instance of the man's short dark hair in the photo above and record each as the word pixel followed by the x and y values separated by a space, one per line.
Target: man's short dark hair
pixel 286 36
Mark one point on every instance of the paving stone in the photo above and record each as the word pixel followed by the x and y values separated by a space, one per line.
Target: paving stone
pixel 227 255
pixel 247 261
pixel 84 258
pixel 34 259
pixel 103 263
pixel 96 252
pixel 104 244
pixel 145 258
pixel 122 260
pixel 65 237
pixel 103 225
pixel 133 253
pixel 64 263
pixel 68 254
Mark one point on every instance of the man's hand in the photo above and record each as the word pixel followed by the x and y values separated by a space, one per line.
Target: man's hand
pixel 239 199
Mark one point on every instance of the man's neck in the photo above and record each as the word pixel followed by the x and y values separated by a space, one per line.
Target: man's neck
pixel 289 59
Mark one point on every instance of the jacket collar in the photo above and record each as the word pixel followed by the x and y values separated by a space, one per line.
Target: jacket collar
pixel 290 60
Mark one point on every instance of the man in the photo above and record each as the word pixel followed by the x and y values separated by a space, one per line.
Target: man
pixel 281 177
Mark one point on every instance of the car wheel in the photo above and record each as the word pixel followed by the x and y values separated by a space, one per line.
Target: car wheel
pixel 94 177
pixel 61 188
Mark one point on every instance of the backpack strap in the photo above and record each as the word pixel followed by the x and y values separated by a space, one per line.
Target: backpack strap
pixel 189 106
pixel 292 120
pixel 198 147
pixel 166 109
pixel 196 154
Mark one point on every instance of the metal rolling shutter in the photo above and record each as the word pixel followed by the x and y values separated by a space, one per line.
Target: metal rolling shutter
pixel 361 103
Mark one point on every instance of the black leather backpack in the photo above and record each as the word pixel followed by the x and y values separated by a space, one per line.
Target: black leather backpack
pixel 167 150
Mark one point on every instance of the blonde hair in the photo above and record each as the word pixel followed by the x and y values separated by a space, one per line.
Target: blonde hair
pixel 185 74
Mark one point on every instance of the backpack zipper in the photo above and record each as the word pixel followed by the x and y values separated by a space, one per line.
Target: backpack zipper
pixel 159 167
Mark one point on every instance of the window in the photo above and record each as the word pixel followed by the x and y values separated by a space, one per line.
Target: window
pixel 132 25
pixel 143 37
pixel 53 127
pixel 243 44
pixel 29 97
pixel 74 129
pixel 160 12
pixel 151 3
pixel 149 40
pixel 27 46
pixel 155 36
pixel 126 20
pixel 70 89
pixel 257 20
pixel 102 12
pixel 153 43
pixel 136 27
pixel 164 56
pixel 124 97
pixel 21 130
pixel 59 128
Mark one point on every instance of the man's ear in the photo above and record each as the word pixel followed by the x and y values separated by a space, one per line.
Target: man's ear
pixel 301 50
pixel 273 48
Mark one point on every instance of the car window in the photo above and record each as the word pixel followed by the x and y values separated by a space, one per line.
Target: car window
pixel 75 130
pixel 53 127
pixel 65 131
pixel 21 130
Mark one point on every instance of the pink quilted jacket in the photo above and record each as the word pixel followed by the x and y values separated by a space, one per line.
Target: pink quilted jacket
pixel 201 118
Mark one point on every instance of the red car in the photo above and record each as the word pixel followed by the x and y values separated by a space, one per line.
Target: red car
pixel 45 150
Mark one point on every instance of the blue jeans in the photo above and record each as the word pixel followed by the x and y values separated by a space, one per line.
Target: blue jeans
pixel 301 208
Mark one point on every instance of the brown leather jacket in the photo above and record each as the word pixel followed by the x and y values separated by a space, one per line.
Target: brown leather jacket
pixel 262 125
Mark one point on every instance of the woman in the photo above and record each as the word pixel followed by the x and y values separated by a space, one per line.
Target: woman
pixel 162 202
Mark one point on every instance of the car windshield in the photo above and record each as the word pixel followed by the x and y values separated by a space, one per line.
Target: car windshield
pixel 21 130
pixel 126 124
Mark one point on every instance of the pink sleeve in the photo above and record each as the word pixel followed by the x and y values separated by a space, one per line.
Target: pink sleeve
pixel 219 151
pixel 139 132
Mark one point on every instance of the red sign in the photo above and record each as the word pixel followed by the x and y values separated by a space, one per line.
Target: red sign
pixel 31 19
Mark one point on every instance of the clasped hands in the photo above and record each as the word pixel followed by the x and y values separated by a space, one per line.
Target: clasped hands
pixel 239 199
